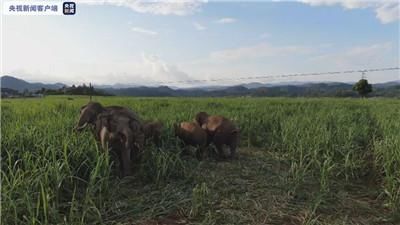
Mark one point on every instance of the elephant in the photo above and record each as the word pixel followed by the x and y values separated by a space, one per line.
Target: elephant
pixel 152 131
pixel 192 134
pixel 90 111
pixel 221 131
pixel 115 134
pixel 116 127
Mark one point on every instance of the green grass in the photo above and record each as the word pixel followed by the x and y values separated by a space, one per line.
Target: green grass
pixel 301 161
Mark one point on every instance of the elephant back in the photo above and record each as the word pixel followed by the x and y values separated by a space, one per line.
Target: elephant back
pixel 123 112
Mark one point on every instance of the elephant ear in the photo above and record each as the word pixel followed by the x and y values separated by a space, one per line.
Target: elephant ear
pixel 88 114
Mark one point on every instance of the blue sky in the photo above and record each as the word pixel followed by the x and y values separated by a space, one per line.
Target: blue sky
pixel 137 42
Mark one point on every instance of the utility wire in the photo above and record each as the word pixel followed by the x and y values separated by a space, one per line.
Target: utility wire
pixel 362 71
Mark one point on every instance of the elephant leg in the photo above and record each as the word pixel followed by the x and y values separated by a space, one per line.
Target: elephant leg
pixel 136 154
pixel 209 139
pixel 184 148
pixel 200 153
pixel 138 145
pixel 121 167
pixel 185 151
pixel 220 149
pixel 233 151
pixel 157 140
pixel 126 162
pixel 219 141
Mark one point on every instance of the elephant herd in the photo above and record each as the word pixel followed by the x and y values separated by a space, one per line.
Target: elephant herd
pixel 121 130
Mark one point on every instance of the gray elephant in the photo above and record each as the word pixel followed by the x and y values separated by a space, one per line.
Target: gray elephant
pixel 115 127
pixel 221 131
pixel 115 134
pixel 152 131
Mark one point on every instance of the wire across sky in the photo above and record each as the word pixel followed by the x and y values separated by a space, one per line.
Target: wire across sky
pixel 289 75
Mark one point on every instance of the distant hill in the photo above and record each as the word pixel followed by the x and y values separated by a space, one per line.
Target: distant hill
pixel 388 84
pixel 21 85
pixel 302 90
pixel 287 89
pixel 143 91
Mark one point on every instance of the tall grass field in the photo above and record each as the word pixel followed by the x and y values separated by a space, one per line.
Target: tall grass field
pixel 300 161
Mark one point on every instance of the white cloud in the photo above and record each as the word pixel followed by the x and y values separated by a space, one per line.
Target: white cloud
pixel 162 71
pixel 198 26
pixel 147 70
pixel 349 4
pixel 359 56
pixel 157 7
pixel 144 31
pixel 226 20
pixel 257 51
pixel 387 11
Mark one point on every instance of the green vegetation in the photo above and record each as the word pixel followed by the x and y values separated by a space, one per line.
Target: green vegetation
pixel 301 161
pixel 363 87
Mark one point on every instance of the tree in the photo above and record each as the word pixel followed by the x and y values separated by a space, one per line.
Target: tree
pixel 362 87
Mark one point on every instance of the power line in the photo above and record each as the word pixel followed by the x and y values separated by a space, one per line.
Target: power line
pixel 362 71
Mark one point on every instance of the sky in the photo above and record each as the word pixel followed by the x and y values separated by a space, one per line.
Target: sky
pixel 136 42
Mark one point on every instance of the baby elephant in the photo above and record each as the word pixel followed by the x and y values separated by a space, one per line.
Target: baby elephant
pixel 152 131
pixel 192 134
pixel 114 132
pixel 220 130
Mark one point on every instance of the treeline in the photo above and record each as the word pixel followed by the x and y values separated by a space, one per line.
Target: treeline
pixel 74 90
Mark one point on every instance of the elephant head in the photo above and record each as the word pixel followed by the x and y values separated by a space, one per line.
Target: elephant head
pixel 201 118
pixel 88 114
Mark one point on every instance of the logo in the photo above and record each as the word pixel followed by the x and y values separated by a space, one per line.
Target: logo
pixel 69 8
pixel 33 7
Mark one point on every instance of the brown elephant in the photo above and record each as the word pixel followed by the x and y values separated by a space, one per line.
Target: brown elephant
pixel 192 134
pixel 152 131
pixel 220 130
pixel 116 127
